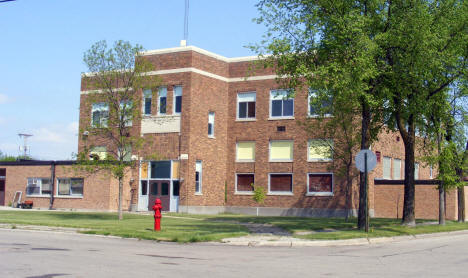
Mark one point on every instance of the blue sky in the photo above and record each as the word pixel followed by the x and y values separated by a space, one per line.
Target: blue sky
pixel 42 44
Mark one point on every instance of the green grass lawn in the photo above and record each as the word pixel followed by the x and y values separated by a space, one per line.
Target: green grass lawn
pixel 193 228
pixel 133 225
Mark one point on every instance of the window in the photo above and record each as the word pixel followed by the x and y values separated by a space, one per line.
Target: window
pixel 320 150
pixel 416 171
pixel 164 188
pixel 70 187
pixel 99 114
pixel 281 151
pixel 162 101
pixel 125 154
pixel 175 188
pixel 126 110
pixel 211 121
pixel 38 186
pixel 144 188
pixel 319 106
pixel 320 184
pixel 161 169
pixel 98 153
pixel 387 161
pixel 245 151
pixel 280 183
pixel 244 182
pixel 198 177
pixel 281 105
pixel 246 105
pixel 147 100
pixel 396 169
pixel 177 100
pixel 431 172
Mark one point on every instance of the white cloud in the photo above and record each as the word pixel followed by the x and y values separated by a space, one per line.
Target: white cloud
pixel 55 141
pixel 3 98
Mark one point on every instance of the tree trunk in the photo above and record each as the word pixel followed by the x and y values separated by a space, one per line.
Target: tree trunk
pixel 409 197
pixel 120 198
pixel 365 122
pixel 441 204
pixel 461 203
pixel 348 189
pixel 52 185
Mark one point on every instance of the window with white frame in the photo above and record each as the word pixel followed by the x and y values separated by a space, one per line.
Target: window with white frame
pixel 281 150
pixel 386 165
pixel 211 124
pixel 431 173
pixel 246 105
pixel 320 150
pixel 70 187
pixel 319 106
pixel 280 183
pixel 162 100
pixel 245 151
pixel 281 104
pixel 396 169
pixel 98 153
pixel 38 187
pixel 177 106
pixel 416 171
pixel 99 114
pixel 245 182
pixel 147 101
pixel 320 184
pixel 198 177
pixel 126 110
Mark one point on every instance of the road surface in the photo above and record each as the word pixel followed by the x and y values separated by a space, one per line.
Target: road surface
pixel 52 254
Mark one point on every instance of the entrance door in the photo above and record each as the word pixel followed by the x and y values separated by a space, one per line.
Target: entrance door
pixel 159 189
pixel 2 186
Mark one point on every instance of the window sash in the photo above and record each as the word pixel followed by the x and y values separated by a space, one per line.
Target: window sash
pixel 148 97
pixel 38 186
pixel 281 150
pixel 320 183
pixel 99 114
pixel 70 186
pixel 246 105
pixel 177 99
pixel 320 150
pixel 244 182
pixel 162 101
pixel 280 183
pixel 198 177
pixel 211 120
pixel 386 165
pixel 396 169
pixel 280 104
pixel 245 151
pixel 416 171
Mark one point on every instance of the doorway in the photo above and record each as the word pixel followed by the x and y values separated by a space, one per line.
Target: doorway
pixel 2 186
pixel 159 189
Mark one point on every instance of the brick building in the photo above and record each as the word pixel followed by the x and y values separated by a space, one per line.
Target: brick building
pixel 218 126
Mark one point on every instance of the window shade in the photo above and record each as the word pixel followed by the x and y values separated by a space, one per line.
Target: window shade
pixel 320 149
pixel 281 182
pixel 320 183
pixel 281 150
pixel 245 150
pixel 396 169
pixel 387 161
pixel 244 182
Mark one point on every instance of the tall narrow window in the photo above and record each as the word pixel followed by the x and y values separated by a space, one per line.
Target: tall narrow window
pixel 246 105
pixel 396 169
pixel 387 162
pixel 281 104
pixel 198 177
pixel 162 101
pixel 431 173
pixel 99 114
pixel 148 97
pixel 211 122
pixel 177 107
pixel 416 171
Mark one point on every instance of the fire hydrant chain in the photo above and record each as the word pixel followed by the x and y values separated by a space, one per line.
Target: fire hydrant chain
pixel 157 214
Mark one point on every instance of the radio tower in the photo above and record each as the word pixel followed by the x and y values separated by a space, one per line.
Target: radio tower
pixel 184 41
pixel 25 149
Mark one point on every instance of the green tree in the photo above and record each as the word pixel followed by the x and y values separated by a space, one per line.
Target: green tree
pixel 116 75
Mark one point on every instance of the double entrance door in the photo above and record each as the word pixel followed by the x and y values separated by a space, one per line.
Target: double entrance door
pixel 154 189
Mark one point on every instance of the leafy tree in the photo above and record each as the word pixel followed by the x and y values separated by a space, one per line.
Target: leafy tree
pixel 116 75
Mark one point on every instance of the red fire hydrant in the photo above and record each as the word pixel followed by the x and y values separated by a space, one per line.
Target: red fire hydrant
pixel 157 214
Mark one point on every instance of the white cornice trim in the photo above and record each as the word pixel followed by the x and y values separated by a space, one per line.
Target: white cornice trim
pixel 198 71
pixel 199 50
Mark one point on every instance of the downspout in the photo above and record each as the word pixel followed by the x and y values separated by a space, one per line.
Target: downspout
pixel 52 183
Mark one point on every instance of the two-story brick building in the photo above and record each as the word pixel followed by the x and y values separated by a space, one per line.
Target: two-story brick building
pixel 217 127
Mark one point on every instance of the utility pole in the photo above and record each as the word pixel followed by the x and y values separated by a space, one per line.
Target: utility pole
pixel 25 149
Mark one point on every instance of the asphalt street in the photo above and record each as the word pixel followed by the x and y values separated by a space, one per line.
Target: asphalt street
pixel 53 254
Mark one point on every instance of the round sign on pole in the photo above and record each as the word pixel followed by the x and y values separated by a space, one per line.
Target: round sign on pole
pixel 371 160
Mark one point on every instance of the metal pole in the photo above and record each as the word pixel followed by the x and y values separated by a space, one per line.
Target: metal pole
pixel 367 193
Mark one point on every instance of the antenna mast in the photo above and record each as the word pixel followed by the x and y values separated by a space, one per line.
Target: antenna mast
pixel 26 150
pixel 184 41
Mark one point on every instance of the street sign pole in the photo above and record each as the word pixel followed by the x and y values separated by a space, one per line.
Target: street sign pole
pixel 367 193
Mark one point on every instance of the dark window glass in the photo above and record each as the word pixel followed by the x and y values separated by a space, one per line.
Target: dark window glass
pixel 162 105
pixel 96 118
pixel 281 182
pixel 46 187
pixel 244 182
pixel 210 129
pixel 77 186
pixel 164 188
pixel 178 104
pixel 320 183
pixel 242 110
pixel 197 181
pixel 154 188
pixel 288 107
pixel 160 169
pixel 148 106
pixel 251 109
pixel 2 172
pixel 2 185
pixel 144 188
pixel 175 188
pixel 276 108
pixel 33 190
